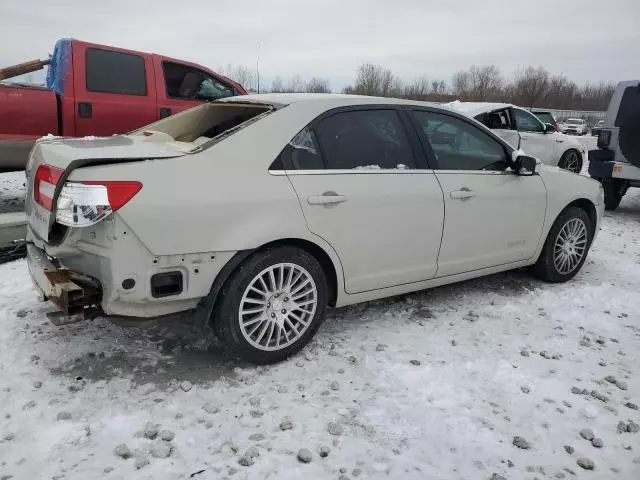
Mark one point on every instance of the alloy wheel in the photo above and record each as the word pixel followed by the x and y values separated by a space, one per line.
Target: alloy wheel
pixel 278 306
pixel 572 162
pixel 570 246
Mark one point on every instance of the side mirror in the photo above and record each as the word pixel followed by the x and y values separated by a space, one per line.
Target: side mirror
pixel 549 128
pixel 525 165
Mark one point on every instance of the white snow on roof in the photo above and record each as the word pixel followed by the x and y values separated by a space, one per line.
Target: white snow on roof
pixel 329 99
pixel 471 109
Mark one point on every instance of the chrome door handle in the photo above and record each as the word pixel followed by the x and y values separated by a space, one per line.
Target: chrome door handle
pixel 327 198
pixel 462 194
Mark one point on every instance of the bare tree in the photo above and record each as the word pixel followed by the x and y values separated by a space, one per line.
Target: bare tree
pixel 245 76
pixel 486 82
pixel 530 85
pixel 461 82
pixel 277 85
pixel 318 85
pixel 419 89
pixel 478 83
pixel 373 80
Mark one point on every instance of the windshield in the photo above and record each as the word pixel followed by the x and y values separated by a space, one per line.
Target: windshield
pixel 574 121
pixel 546 117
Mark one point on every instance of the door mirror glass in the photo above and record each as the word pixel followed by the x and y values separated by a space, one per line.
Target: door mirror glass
pixel 525 165
pixel 549 128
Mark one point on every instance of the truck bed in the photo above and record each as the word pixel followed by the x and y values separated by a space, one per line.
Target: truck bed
pixel 26 114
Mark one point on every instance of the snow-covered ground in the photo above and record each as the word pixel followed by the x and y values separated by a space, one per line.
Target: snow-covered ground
pixel 433 385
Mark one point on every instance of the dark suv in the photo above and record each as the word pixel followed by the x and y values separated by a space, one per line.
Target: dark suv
pixel 616 162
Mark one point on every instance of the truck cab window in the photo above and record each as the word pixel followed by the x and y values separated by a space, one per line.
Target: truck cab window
pixel 188 83
pixel 115 72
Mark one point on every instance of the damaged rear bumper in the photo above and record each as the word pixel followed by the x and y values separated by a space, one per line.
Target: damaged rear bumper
pixel 77 296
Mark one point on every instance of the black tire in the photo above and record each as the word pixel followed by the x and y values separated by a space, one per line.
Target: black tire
pixel 567 161
pixel 545 268
pixel 225 315
pixel 614 190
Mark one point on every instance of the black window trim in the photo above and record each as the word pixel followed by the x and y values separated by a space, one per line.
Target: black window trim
pixel 430 154
pixel 169 97
pixel 417 151
pixel 144 70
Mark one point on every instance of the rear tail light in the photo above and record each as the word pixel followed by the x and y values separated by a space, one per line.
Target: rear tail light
pixel 604 138
pixel 82 204
pixel 44 185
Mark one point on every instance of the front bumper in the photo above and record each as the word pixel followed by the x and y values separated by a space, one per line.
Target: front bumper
pixel 74 294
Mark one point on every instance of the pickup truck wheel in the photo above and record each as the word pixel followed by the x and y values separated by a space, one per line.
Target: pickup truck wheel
pixel 571 160
pixel 566 247
pixel 614 190
pixel 272 305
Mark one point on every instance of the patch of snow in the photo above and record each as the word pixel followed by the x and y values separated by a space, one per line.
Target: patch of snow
pixel 451 414
pixel 49 136
pixel 367 167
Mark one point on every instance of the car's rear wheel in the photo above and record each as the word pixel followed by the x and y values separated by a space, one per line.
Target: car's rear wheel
pixel 566 247
pixel 571 160
pixel 272 305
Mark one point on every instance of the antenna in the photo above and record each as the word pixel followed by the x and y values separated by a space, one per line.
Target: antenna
pixel 258 63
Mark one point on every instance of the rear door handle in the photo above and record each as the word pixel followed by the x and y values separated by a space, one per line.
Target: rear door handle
pixel 462 194
pixel 327 198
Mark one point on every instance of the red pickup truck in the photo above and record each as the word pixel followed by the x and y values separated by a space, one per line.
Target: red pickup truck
pixel 98 90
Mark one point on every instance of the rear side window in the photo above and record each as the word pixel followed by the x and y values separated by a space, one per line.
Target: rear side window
pixel 499 120
pixel 115 72
pixel 364 139
pixel 459 145
pixel 188 83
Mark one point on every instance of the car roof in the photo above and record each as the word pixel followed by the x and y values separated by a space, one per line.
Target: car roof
pixel 328 100
pixel 472 109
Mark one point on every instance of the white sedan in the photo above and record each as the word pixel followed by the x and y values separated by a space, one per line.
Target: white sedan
pixel 525 131
pixel 257 212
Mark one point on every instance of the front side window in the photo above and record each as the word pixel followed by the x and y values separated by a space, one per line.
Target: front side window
pixel 188 83
pixel 546 117
pixel 459 145
pixel 115 72
pixel 527 122
pixel 364 139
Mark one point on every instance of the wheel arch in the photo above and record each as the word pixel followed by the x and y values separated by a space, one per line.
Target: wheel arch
pixel 327 259
pixel 588 206
pixel 320 254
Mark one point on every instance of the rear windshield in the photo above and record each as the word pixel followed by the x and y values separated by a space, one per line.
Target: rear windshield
pixel 546 117
pixel 205 125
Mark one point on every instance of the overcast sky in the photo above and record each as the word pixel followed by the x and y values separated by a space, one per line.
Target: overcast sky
pixel 587 40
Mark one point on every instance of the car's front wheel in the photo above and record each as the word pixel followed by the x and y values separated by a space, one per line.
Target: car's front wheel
pixel 566 247
pixel 272 305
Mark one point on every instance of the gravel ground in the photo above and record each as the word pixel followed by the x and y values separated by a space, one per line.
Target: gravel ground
pixel 499 378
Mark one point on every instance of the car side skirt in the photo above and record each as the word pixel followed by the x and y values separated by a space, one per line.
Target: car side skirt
pixel 347 299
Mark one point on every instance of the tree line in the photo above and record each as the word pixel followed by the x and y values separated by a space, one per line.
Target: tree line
pixel 527 87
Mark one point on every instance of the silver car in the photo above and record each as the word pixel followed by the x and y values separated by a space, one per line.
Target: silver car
pixel 257 212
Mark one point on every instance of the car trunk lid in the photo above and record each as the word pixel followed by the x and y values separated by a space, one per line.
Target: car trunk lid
pixel 56 158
